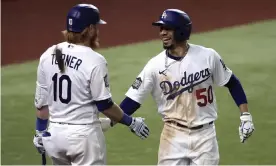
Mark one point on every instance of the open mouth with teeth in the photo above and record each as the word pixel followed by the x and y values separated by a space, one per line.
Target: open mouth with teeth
pixel 166 40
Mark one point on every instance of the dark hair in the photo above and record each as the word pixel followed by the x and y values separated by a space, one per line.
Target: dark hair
pixel 59 59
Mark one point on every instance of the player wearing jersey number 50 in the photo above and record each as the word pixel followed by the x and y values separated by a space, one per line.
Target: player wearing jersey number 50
pixel 181 80
pixel 72 88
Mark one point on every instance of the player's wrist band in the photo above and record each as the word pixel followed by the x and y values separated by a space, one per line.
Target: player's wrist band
pixel 126 120
pixel 245 113
pixel 41 124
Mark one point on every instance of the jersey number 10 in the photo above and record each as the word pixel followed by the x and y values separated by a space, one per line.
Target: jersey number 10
pixel 58 83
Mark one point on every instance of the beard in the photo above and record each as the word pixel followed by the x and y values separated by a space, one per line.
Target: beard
pixel 94 42
pixel 168 47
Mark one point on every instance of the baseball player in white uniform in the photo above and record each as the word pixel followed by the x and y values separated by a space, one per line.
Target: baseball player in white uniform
pixel 181 80
pixel 72 88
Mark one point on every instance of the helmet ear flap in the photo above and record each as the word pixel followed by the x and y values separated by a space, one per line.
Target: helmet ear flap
pixel 179 35
pixel 189 31
pixel 182 34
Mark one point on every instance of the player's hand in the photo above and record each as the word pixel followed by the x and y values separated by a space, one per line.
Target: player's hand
pixel 139 127
pixel 105 123
pixel 38 141
pixel 246 127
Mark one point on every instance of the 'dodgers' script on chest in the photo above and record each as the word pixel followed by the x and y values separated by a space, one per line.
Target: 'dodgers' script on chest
pixel 187 81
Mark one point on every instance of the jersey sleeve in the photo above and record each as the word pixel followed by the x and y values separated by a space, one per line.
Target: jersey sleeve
pixel 142 85
pixel 41 94
pixel 99 83
pixel 221 73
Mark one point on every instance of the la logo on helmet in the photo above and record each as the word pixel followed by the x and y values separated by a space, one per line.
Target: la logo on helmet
pixel 164 15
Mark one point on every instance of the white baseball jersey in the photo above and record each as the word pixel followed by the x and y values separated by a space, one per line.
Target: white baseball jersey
pixel 70 95
pixel 183 91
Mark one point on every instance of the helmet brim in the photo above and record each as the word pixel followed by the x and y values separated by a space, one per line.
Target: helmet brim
pixel 158 23
pixel 163 24
pixel 102 22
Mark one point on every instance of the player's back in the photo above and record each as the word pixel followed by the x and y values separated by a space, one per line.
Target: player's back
pixel 69 94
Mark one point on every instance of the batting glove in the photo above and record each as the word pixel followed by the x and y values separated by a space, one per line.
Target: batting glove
pixel 106 123
pixel 139 127
pixel 38 141
pixel 246 127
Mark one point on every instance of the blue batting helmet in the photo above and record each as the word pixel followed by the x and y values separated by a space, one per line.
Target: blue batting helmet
pixel 178 20
pixel 81 16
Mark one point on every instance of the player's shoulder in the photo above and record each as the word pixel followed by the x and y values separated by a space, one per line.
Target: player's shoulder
pixel 154 62
pixel 157 58
pixel 94 59
pixel 89 55
pixel 47 53
pixel 202 49
pixel 96 55
pixel 161 54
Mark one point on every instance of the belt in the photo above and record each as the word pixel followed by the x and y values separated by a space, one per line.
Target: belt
pixel 63 123
pixel 183 126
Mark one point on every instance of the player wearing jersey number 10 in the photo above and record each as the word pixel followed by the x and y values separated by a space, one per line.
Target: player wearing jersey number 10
pixel 181 80
pixel 72 87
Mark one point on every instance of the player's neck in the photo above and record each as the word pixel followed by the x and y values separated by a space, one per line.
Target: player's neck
pixel 179 50
pixel 93 46
pixel 87 44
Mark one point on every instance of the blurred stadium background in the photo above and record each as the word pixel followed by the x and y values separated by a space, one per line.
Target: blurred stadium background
pixel 243 32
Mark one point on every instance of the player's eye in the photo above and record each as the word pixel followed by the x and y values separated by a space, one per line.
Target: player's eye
pixel 167 28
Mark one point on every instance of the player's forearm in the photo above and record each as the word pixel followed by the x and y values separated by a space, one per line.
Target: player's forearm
pixel 243 108
pixel 128 106
pixel 117 115
pixel 42 118
pixel 43 113
pixel 113 111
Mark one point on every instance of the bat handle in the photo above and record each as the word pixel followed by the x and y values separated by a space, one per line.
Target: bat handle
pixel 43 159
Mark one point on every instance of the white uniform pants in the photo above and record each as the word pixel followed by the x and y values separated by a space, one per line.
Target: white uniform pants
pixel 182 146
pixel 75 144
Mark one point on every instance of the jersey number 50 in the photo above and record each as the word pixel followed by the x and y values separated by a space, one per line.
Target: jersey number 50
pixel 205 95
pixel 58 83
